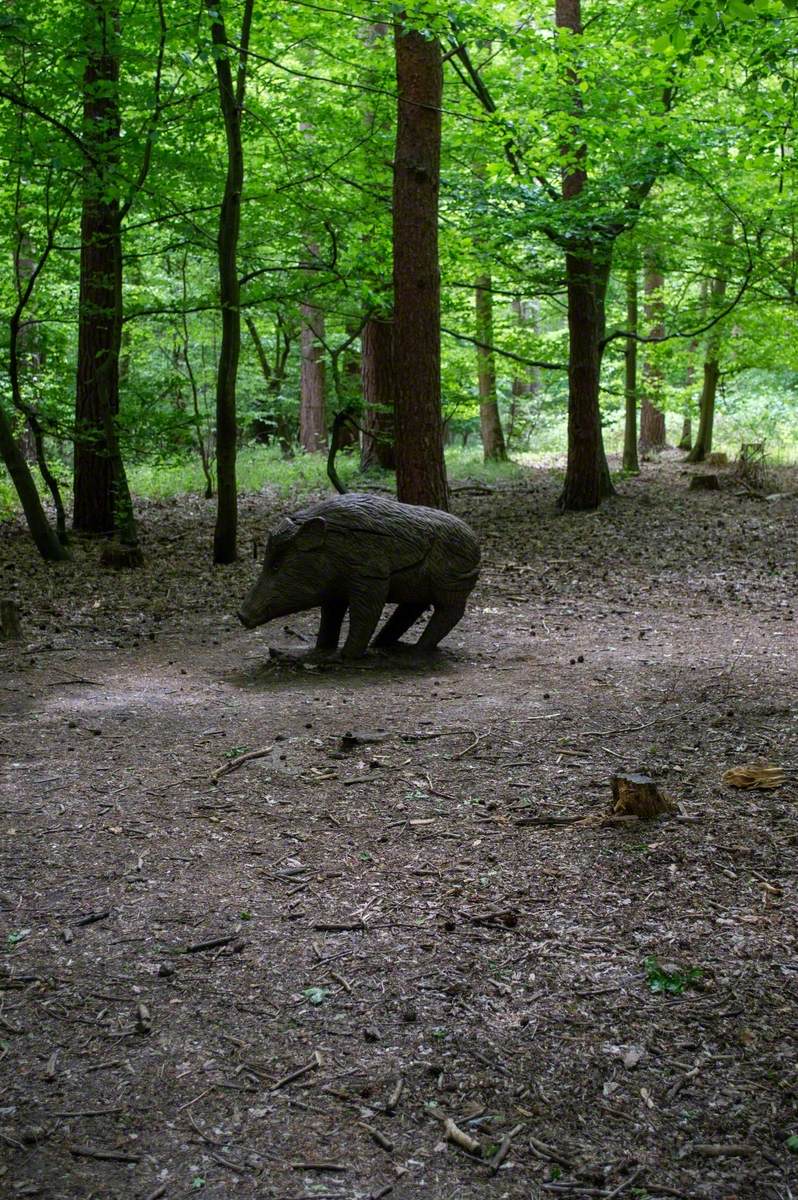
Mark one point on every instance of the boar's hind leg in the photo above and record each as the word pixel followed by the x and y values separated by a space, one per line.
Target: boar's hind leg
pixel 365 609
pixel 403 616
pixel 332 616
pixel 444 618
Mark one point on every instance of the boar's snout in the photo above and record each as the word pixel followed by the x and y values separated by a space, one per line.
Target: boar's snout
pixel 246 619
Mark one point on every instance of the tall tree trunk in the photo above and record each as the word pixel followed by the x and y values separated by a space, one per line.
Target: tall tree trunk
pixel 686 440
pixel 41 531
pixel 96 475
pixel 529 384
pixel 602 264
pixel 231 101
pixel 703 440
pixel 584 470
pixel 312 405
pixel 378 382
pixel 582 488
pixel 630 461
pixel 420 467
pixel 652 418
pixel 493 446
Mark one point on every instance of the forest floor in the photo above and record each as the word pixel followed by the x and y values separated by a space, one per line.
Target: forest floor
pixel 303 979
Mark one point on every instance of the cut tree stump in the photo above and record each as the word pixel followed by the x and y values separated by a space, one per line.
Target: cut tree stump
pixel 704 483
pixel 639 796
pixel 9 621
pixel 121 556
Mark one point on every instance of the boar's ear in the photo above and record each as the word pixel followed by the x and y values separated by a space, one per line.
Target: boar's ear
pixel 310 535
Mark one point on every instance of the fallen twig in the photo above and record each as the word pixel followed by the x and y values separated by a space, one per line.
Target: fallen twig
pixel 311 1066
pixel 549 1152
pixel 504 1148
pixel 234 763
pixel 103 1155
pixel 378 1137
pixel 319 1166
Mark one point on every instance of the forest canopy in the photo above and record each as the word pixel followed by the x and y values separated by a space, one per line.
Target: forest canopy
pixel 218 235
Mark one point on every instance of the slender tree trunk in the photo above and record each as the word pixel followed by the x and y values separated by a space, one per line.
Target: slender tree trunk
pixel 602 264
pixel 312 406
pixel 231 101
pixel 273 378
pixel 528 385
pixel 652 418
pixel 420 467
pixel 378 382
pixel 686 440
pixel 706 421
pixel 493 445
pixel 41 531
pixel 630 461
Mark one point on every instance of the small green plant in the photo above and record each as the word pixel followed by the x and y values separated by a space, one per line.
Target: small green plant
pixel 246 915
pixel 234 751
pixel 316 995
pixel 660 979
pixel 792 1143
pixel 16 937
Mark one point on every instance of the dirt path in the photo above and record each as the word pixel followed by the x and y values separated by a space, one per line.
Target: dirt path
pixel 394 936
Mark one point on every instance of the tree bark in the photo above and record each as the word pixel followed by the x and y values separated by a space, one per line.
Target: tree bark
pixel 378 383
pixel 101 496
pixel 582 488
pixel 312 407
pixel 420 467
pixel 41 531
pixel 630 460
pixel 706 420
pixel 528 385
pixel 652 418
pixel 493 445
pixel 231 101
pixel 585 467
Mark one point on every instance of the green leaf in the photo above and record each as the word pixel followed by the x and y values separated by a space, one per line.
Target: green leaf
pixel 316 995
pixel 792 1143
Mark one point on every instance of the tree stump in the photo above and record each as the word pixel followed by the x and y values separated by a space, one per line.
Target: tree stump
pixel 639 796
pixel 717 459
pixel 120 556
pixel 9 621
pixel 704 483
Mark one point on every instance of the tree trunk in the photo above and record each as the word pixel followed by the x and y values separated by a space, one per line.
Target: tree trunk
pixel 273 378
pixel 41 531
pixel 231 102
pixel 420 467
pixel 686 440
pixel 493 446
pixel 652 418
pixel 585 468
pixel 528 385
pixel 582 488
pixel 101 496
pixel 312 408
pixel 630 461
pixel 379 394
pixel 703 441
pixel 706 421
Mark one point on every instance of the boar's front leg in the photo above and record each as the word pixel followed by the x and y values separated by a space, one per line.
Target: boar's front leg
pixel 332 616
pixel 366 603
pixel 445 616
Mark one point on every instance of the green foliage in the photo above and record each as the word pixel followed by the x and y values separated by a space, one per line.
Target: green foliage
pixel 672 982
pixel 684 122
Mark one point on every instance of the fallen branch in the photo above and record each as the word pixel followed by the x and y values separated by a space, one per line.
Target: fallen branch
pixel 234 763
pixel 286 1079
